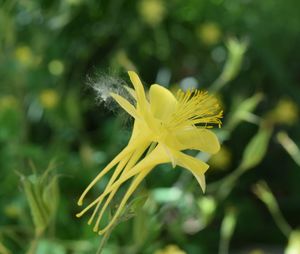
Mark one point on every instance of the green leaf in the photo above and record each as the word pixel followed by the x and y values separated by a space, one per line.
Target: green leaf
pixel 256 148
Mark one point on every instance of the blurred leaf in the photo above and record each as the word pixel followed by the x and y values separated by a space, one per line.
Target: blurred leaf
pixel 42 195
pixel 256 149
pixel 32 192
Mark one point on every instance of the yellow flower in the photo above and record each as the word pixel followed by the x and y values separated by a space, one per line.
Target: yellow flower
pixel 8 102
pixel 221 160
pixel 170 249
pixel 286 112
pixel 164 125
pixel 209 33
pixel 152 11
pixel 49 98
pixel 24 55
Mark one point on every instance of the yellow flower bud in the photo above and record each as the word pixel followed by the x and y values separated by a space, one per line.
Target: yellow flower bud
pixel 152 11
pixel 49 98
pixel 209 33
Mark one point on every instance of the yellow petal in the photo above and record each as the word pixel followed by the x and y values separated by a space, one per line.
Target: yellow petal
pixel 135 183
pixel 134 158
pixel 132 146
pixel 116 173
pixel 197 167
pixel 162 102
pixel 198 139
pixel 99 200
pixel 131 92
pixel 157 156
pixel 139 89
pixel 126 105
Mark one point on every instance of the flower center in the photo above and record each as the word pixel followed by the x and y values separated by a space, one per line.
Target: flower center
pixel 195 108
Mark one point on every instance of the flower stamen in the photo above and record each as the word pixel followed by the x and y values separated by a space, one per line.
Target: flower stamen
pixel 195 107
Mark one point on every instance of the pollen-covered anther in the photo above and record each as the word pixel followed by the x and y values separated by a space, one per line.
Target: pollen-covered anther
pixel 196 107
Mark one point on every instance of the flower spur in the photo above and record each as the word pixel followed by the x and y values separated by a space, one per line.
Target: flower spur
pixel 165 125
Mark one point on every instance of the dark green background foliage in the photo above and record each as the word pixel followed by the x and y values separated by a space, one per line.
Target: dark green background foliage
pixel 51 51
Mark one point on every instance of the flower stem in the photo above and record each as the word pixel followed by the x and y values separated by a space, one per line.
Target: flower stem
pixel 104 240
pixel 223 187
pixel 264 193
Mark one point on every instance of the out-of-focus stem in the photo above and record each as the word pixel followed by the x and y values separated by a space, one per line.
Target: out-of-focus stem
pixel 223 187
pixel 103 241
pixel 227 230
pixel 236 50
pixel 263 192
pixel 289 145
pixel 34 243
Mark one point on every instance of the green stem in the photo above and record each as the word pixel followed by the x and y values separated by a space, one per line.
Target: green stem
pixel 278 218
pixel 264 193
pixel 33 244
pixel 103 241
pixel 290 146
pixel 224 245
pixel 223 187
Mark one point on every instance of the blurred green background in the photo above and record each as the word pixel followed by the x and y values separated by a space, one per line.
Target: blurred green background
pixel 52 52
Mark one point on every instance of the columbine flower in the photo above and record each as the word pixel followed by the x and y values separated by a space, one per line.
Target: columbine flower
pixel 165 125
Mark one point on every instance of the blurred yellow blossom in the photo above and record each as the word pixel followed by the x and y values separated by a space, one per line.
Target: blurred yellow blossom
pixel 3 249
pixel 56 67
pixel 170 249
pixel 257 251
pixel 49 98
pixel 221 160
pixel 285 112
pixel 86 154
pixel 209 33
pixel 24 55
pixel 8 102
pixel 12 211
pixel 152 11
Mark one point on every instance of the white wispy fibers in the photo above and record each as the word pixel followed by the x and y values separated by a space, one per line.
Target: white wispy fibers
pixel 104 84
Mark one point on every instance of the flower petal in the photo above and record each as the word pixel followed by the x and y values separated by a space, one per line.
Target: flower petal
pixel 197 167
pixel 198 139
pixel 135 183
pixel 156 157
pixel 131 147
pixel 139 89
pixel 162 101
pixel 134 158
pixel 126 105
pixel 131 92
